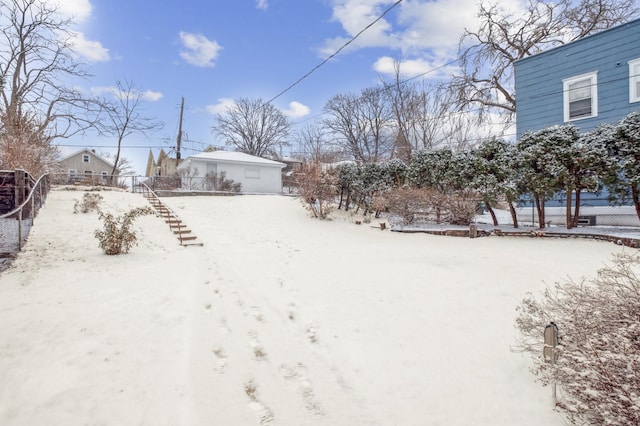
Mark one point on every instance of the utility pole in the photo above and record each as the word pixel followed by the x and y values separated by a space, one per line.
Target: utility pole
pixel 179 141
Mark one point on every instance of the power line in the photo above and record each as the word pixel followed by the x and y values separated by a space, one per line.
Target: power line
pixel 334 53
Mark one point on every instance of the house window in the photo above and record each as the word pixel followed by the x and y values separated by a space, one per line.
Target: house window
pixel 252 173
pixel 85 158
pixel 634 80
pixel 212 169
pixel 580 97
pixel 73 172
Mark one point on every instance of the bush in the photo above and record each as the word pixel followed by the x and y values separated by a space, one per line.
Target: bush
pixel 598 364
pixel 414 205
pixel 219 182
pixel 461 207
pixel 317 189
pixel 117 236
pixel 406 204
pixel 90 201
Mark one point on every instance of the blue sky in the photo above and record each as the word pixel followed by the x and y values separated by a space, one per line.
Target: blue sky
pixel 212 51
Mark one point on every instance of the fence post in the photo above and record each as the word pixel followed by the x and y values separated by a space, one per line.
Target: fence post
pixel 20 230
pixel 19 186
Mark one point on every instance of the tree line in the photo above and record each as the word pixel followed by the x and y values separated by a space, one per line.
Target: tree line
pixel 495 172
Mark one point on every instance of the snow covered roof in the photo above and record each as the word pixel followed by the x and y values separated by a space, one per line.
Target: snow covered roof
pixel 232 157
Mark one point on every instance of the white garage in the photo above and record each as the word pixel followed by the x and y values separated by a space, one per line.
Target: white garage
pixel 255 174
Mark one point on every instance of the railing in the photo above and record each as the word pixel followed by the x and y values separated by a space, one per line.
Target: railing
pixel 16 224
pixel 131 183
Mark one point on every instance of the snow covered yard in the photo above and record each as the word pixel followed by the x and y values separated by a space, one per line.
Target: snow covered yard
pixel 277 320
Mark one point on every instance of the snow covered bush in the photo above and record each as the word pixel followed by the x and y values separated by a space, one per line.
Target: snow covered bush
pixel 598 364
pixel 90 201
pixel 317 189
pixel 117 237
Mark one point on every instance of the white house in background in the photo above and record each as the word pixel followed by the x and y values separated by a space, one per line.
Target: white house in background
pixel 256 174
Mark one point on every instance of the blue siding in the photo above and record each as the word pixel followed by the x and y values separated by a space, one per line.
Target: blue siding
pixel 539 100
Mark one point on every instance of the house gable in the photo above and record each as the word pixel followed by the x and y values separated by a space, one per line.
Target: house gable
pixel 84 162
pixel 552 89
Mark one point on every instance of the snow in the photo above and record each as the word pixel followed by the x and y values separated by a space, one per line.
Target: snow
pixel 277 319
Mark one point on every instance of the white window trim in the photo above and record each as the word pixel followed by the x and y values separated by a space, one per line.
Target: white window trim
pixel 634 79
pixel 73 172
pixel 594 95
pixel 88 157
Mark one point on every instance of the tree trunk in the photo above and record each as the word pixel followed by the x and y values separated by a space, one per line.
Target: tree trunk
pixel 540 208
pixel 514 215
pixel 569 219
pixel 576 214
pixel 116 161
pixel 636 198
pixel 492 213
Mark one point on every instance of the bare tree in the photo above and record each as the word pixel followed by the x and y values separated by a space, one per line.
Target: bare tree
pixel 419 110
pixel 253 127
pixel 486 79
pixel 460 131
pixel 124 116
pixel 38 103
pixel 362 123
pixel 314 146
pixel 125 166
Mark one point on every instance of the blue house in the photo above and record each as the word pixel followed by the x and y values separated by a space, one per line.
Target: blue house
pixel 587 82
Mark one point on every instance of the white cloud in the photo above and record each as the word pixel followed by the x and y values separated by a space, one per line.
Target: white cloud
pixel 147 95
pixel 79 10
pixel 431 68
pixel 426 31
pixel 435 25
pixel 221 106
pixel 151 96
pixel 91 51
pixel 354 16
pixel 297 110
pixel 199 50
pixel 262 4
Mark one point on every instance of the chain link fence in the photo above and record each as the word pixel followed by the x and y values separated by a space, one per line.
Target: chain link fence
pixel 595 210
pixel 129 183
pixel 23 197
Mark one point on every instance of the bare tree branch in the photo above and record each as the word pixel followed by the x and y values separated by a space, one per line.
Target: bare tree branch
pixel 37 103
pixel 362 123
pixel 253 127
pixel 124 116
pixel 486 78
